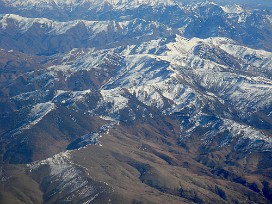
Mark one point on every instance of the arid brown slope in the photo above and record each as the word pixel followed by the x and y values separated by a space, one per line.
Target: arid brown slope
pixel 147 166
pixel 147 163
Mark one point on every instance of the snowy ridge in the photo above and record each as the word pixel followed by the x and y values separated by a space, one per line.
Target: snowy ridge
pixel 61 158
pixel 34 117
pixel 164 68
pixel 93 3
pixel 50 26
pixel 173 74
pixel 146 61
pixel 179 58
pixel 115 97
pixel 40 110
pixel 159 79
pixel 70 180
pixel 209 74
pixel 244 137
pixel 71 97
pixel 92 137
pixel 234 8
pixel 93 35
pixel 248 132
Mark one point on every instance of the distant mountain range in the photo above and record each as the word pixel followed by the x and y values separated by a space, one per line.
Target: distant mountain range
pixel 135 101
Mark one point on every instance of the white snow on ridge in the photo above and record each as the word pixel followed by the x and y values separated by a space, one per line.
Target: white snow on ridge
pixel 247 93
pixel 51 4
pixel 53 26
pixel 146 72
pixel 57 163
pixel 71 98
pixel 232 8
pixel 170 92
pixel 250 133
pixel 151 77
pixel 67 177
pixel 257 58
pixel 182 46
pixel 39 111
pixel 47 26
pixel 34 117
pixel 114 97
pixel 149 95
pixel 156 71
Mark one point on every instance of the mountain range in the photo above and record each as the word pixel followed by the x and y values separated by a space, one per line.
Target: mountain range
pixel 135 101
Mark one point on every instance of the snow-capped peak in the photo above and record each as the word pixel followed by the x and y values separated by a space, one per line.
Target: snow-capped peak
pixel 233 8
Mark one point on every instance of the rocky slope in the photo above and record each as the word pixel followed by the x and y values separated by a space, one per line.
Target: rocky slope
pixel 135 102
pixel 246 25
